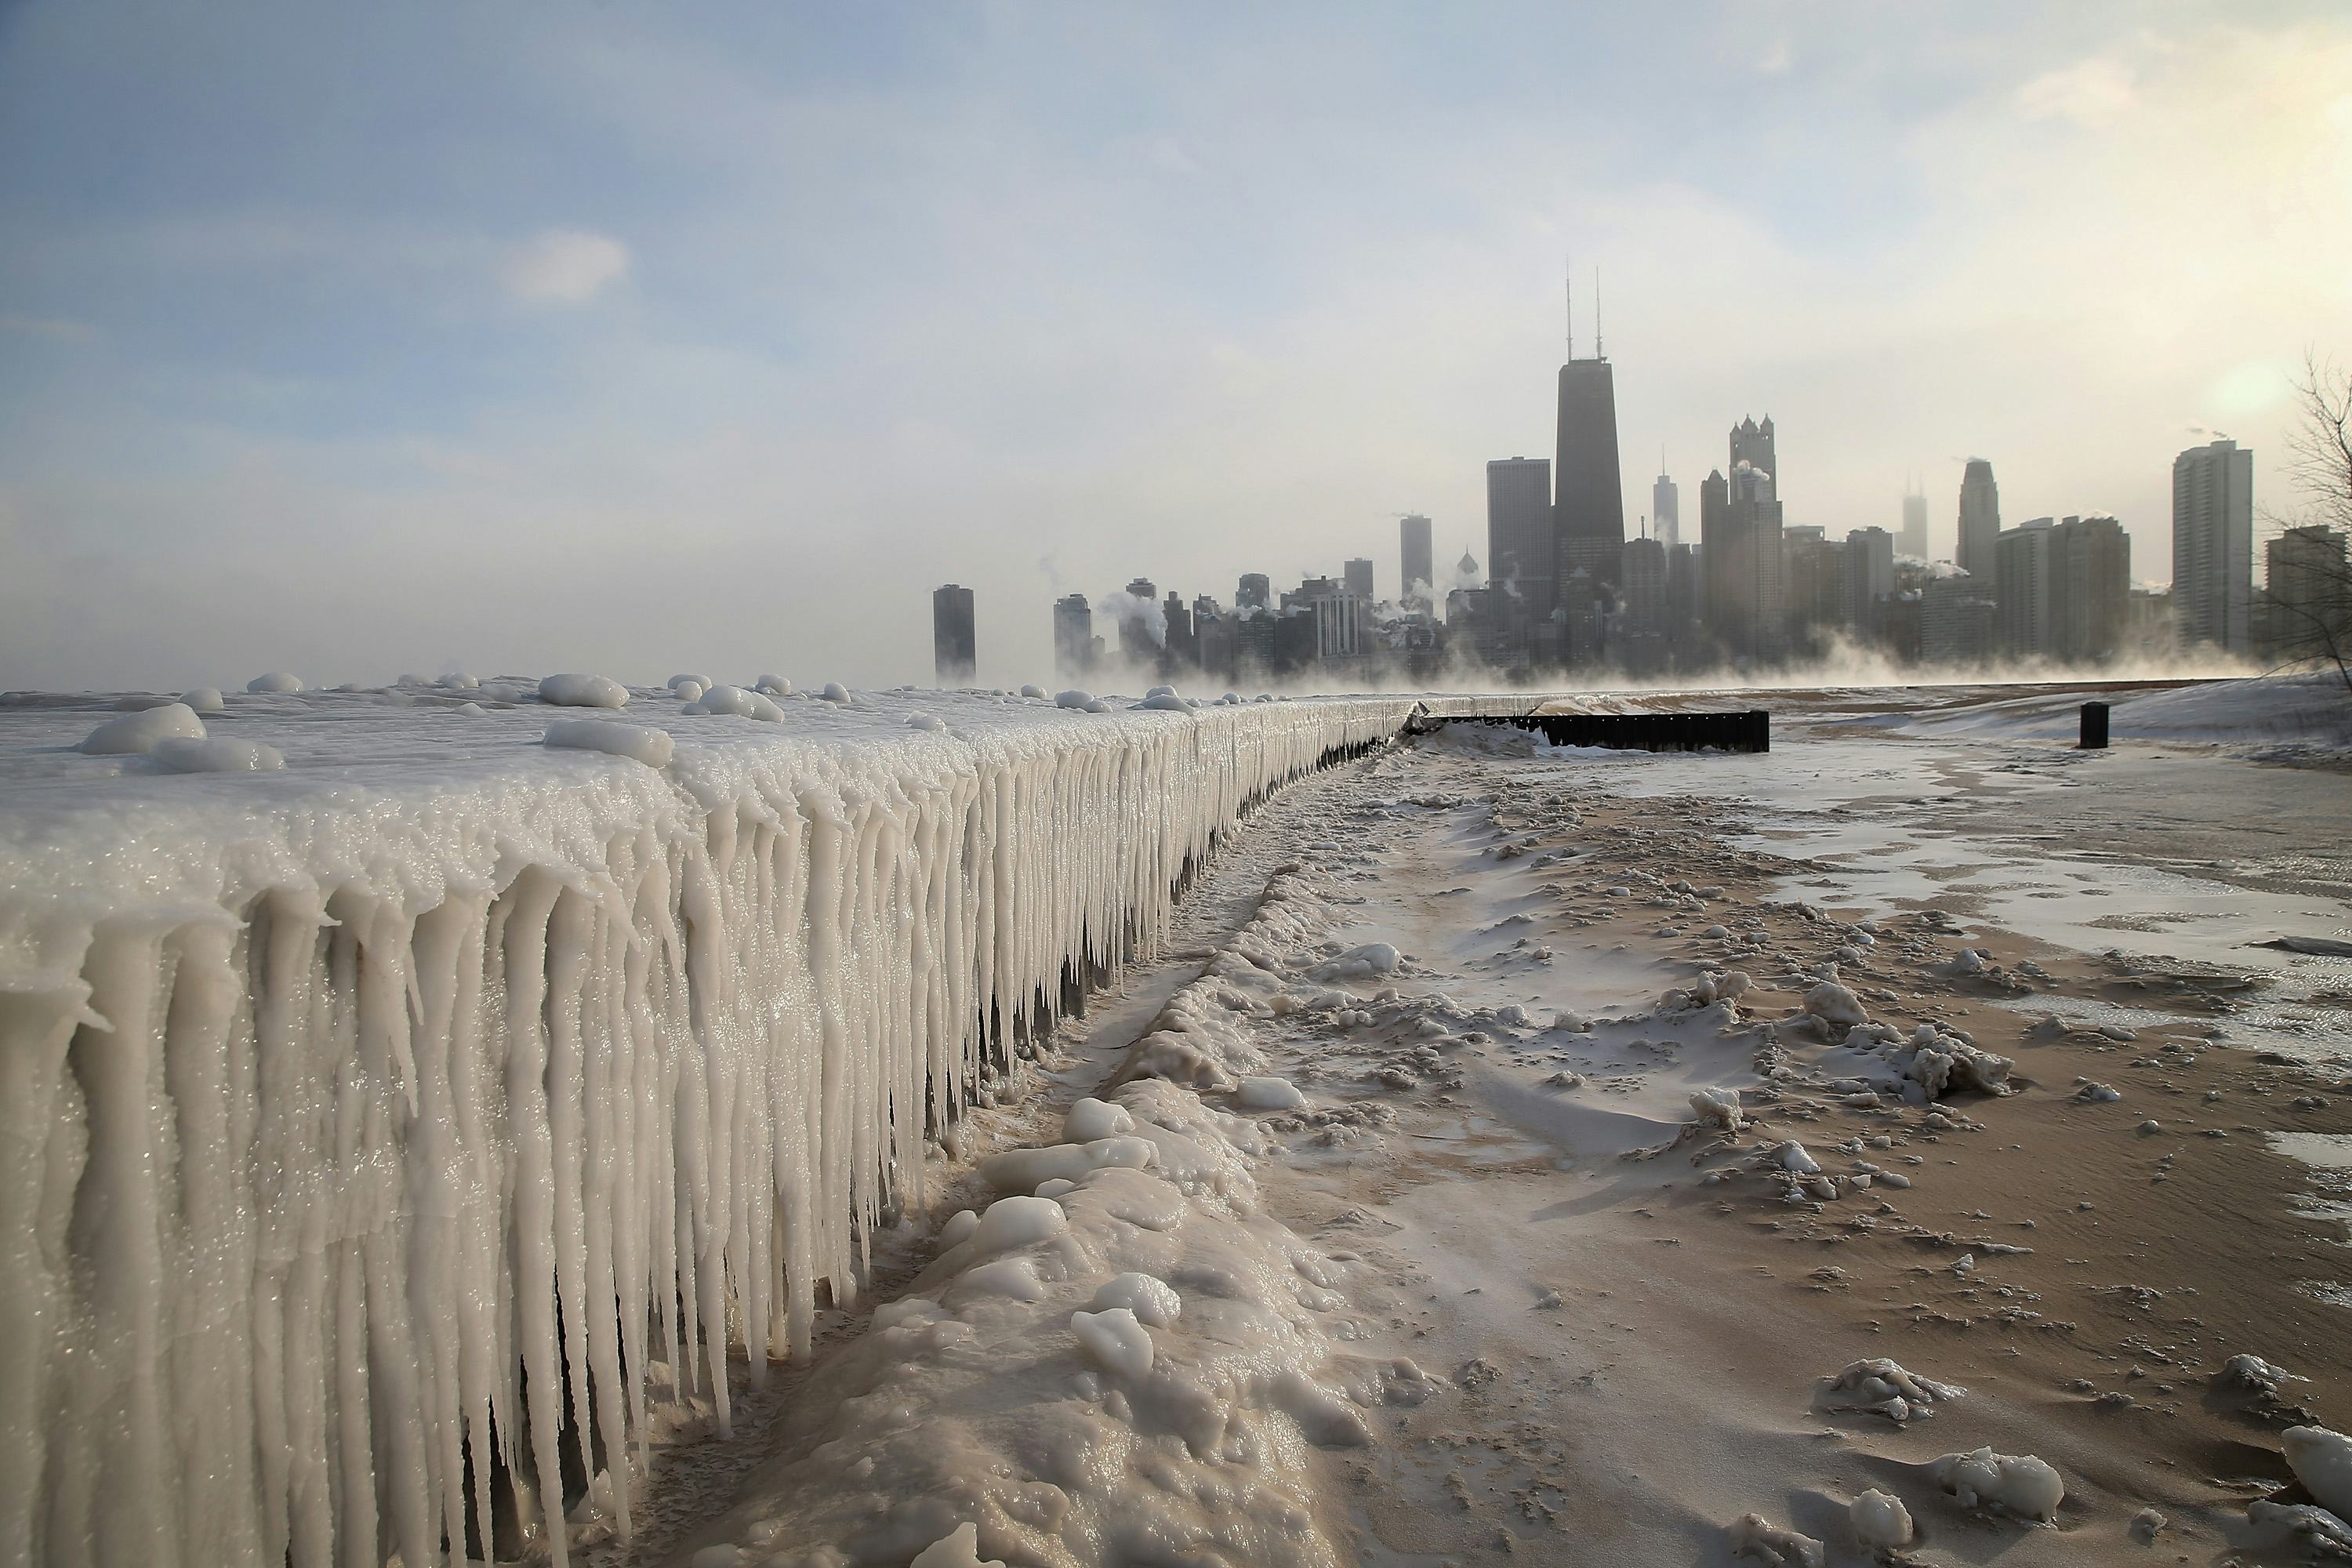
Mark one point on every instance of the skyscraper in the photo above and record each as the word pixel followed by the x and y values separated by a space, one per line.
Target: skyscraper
pixel 1913 540
pixel 2307 594
pixel 2021 574
pixel 953 652
pixel 1753 444
pixel 1519 563
pixel 1589 495
pixel 1073 636
pixel 1979 520
pixel 1418 574
pixel 1357 576
pixel 1868 568
pixel 2213 545
pixel 1665 508
pixel 1254 593
pixel 2090 589
pixel 1741 549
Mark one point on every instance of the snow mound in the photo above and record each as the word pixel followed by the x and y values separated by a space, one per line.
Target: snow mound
pixel 835 693
pixel 2019 1485
pixel 636 742
pixel 575 691
pixel 772 686
pixel 1073 698
pixel 217 754
pixel 702 683
pixel 1269 1094
pixel 1090 1118
pixel 690 693
pixel 204 700
pixel 1166 702
pixel 277 680
pixel 135 734
pixel 1030 689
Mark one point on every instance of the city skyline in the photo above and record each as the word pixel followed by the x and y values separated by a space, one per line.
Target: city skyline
pixel 666 385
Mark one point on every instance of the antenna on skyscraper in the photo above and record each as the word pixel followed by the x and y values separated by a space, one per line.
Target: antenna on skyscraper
pixel 1569 279
pixel 1599 350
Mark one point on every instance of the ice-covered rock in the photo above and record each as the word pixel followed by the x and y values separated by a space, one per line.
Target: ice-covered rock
pixel 1883 1386
pixel 2019 1485
pixel 217 754
pixel 2300 1525
pixel 1018 1222
pixel 135 734
pixel 204 700
pixel 2322 1460
pixel 1073 698
pixel 732 700
pixel 1881 1523
pixel 773 685
pixel 1166 702
pixel 1090 1118
pixel 1032 690
pixel 277 680
pixel 636 742
pixel 1756 1537
pixel 1025 1169
pixel 835 693
pixel 1720 1106
pixel 700 683
pixel 1791 1156
pixel 577 690
pixel 929 721
pixel 691 693
pixel 2256 1375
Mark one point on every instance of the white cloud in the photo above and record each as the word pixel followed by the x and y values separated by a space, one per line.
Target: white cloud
pixel 565 266
pixel 2093 94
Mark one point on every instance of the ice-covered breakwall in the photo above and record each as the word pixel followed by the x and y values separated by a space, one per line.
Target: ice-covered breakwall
pixel 390 1109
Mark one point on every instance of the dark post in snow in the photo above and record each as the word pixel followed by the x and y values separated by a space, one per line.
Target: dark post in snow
pixel 2095 727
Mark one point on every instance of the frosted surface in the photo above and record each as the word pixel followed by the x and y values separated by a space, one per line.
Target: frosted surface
pixel 407 1099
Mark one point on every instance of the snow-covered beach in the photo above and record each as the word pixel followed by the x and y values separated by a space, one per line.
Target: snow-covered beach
pixel 1498 1153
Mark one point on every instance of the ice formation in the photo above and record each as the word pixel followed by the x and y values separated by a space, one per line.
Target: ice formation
pixel 429 1108
pixel 276 681
pixel 2016 1484
pixel 583 692
pixel 217 754
pixel 2322 1461
pixel 1883 1386
pixel 1881 1523
pixel 133 734
pixel 1754 1536
pixel 204 698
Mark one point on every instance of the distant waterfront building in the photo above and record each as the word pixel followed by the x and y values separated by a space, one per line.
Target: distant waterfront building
pixel 2020 589
pixel 1216 646
pixel 1665 508
pixel 2090 615
pixel 1813 581
pixel 1645 613
pixel 1075 643
pixel 1913 540
pixel 1178 641
pixel 1589 490
pixel 1418 565
pixel 1979 520
pixel 954 651
pixel 1357 576
pixel 1741 555
pixel 2213 546
pixel 1256 593
pixel 2307 598
pixel 1342 618
pixel 1138 643
pixel 1520 564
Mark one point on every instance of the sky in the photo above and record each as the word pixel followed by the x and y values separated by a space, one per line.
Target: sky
pixel 647 338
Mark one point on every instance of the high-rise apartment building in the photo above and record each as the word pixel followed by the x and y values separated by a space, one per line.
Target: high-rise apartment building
pixel 1589 497
pixel 1254 593
pixel 1357 576
pixel 2090 618
pixel 1073 636
pixel 1956 620
pixel 2213 546
pixel 2022 572
pixel 1913 540
pixel 1741 551
pixel 1867 572
pixel 1979 520
pixel 954 651
pixel 2307 598
pixel 1665 508
pixel 1417 574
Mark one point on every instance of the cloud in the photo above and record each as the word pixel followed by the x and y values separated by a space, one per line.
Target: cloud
pixel 2092 94
pixel 565 266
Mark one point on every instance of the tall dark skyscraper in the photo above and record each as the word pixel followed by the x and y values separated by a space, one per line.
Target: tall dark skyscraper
pixel 1753 444
pixel 1357 576
pixel 954 649
pixel 1255 591
pixel 1589 497
pixel 1979 520
pixel 1418 563
pixel 1519 563
pixel 1073 636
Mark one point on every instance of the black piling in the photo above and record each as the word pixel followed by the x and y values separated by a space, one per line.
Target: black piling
pixel 2095 727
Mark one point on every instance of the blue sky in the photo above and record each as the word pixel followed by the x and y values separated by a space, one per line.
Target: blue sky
pixel 640 338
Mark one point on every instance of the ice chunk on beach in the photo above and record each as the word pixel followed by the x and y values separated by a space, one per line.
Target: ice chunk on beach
pixel 2019 1485
pixel 204 698
pixel 1883 1386
pixel 1718 1105
pixel 217 754
pixel 651 747
pixel 2322 1461
pixel 958 1548
pixel 576 690
pixel 835 693
pixel 1018 1222
pixel 1091 1118
pixel 1759 1538
pixel 1881 1523
pixel 134 734
pixel 1791 1156
pixel 1073 698
pixel 1026 1170
pixel 1116 1342
pixel 276 680
pixel 773 685
pixel 1833 1003
pixel 1031 689
pixel 689 692
pixel 1153 1300
pixel 1269 1094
